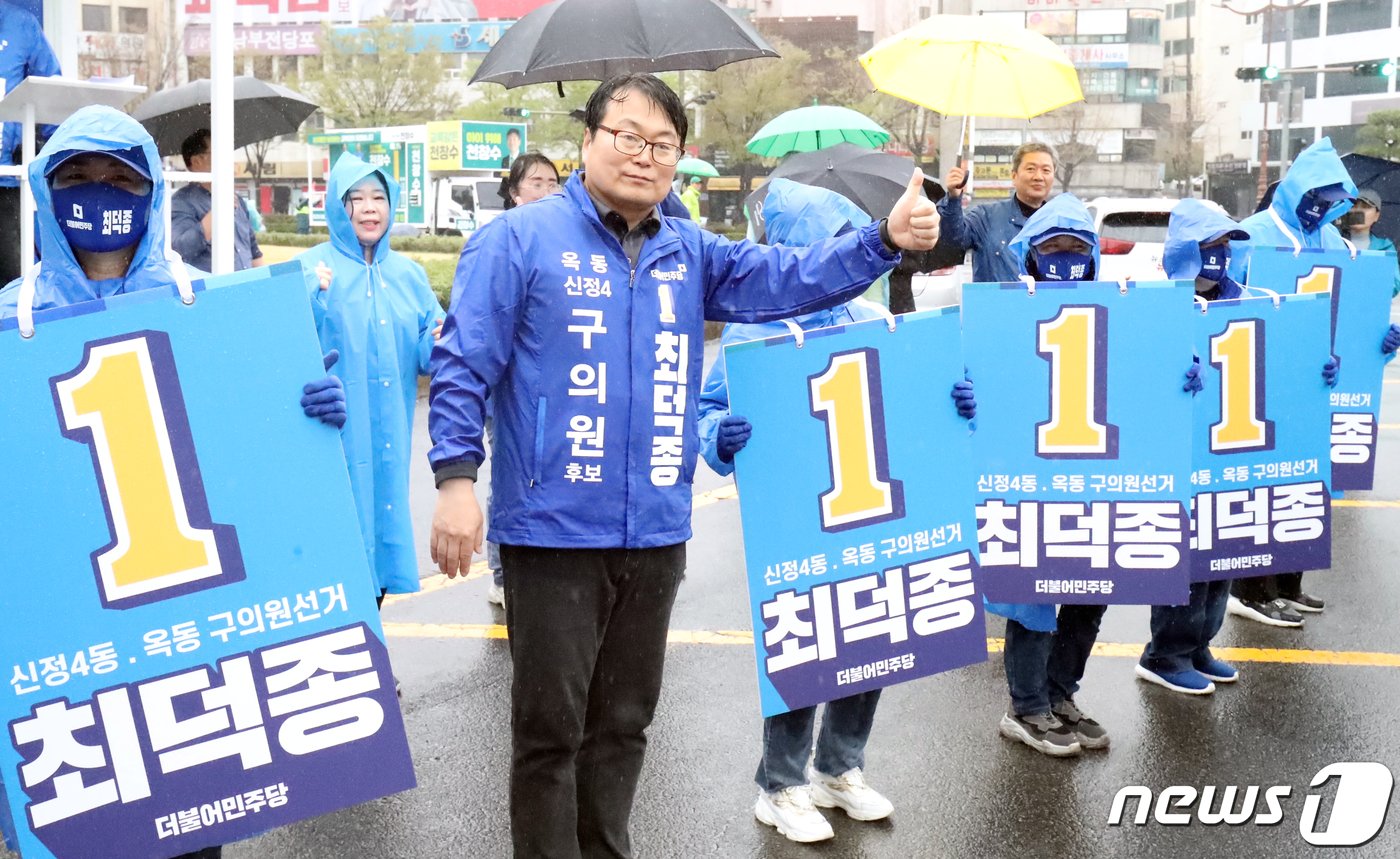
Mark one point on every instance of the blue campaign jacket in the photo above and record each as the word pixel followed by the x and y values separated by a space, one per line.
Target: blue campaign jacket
pixel 796 215
pixel 1193 222
pixel 61 280
pixel 381 317
pixel 517 295
pixel 987 230
pixel 24 52
pixel 1064 212
pixel 1277 226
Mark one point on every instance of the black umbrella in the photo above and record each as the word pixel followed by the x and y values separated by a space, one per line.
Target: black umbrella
pixel 872 180
pixel 1382 176
pixel 261 110
pixel 592 40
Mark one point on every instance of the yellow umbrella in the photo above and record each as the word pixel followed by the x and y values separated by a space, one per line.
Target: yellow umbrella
pixel 969 65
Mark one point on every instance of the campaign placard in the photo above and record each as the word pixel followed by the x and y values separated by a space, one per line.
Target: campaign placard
pixel 1260 445
pixel 1360 287
pixel 1082 454
pixel 855 496
pixel 192 647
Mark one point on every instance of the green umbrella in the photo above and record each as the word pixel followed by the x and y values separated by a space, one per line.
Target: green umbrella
pixel 810 128
pixel 696 167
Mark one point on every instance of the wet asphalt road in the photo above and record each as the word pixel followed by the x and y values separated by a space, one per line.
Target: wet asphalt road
pixel 959 789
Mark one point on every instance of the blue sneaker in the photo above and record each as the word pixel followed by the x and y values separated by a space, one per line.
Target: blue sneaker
pixel 1220 672
pixel 1188 682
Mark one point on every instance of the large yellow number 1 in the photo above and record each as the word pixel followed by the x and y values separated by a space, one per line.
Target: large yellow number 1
pixel 1238 352
pixel 1073 342
pixel 124 401
pixel 1319 279
pixel 847 396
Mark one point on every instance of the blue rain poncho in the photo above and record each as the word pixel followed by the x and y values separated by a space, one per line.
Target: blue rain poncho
pixel 380 316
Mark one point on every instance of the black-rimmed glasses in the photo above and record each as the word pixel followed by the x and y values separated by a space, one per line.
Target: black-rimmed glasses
pixel 628 143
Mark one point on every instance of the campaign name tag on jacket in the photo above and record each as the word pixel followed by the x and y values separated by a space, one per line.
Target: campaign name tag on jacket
pixel 1360 287
pixel 1260 445
pixel 1082 455
pixel 856 507
pixel 197 656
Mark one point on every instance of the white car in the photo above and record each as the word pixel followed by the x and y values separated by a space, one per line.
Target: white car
pixel 1131 233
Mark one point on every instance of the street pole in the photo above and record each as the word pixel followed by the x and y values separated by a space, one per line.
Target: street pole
pixel 1286 102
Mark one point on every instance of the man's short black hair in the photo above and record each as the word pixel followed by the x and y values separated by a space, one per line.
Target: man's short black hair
pixel 195 144
pixel 618 87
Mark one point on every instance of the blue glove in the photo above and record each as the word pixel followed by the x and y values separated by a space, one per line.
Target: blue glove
pixel 1193 379
pixel 1392 340
pixel 734 432
pixel 1330 372
pixel 325 397
pixel 963 399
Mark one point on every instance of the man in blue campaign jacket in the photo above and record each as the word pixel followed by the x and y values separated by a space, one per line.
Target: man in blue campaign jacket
pixel 1045 657
pixel 1316 191
pixel 988 230
pixel 101 200
pixel 789 788
pixel 583 316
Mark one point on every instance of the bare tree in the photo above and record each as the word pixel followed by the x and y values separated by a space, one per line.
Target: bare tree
pixel 1076 140
pixel 370 77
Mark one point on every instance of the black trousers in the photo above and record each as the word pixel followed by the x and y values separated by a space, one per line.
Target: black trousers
pixel 206 853
pixel 9 234
pixel 588 644
pixel 1267 588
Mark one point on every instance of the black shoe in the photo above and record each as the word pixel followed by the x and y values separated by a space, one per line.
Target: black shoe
pixel 1275 613
pixel 1304 602
pixel 1042 732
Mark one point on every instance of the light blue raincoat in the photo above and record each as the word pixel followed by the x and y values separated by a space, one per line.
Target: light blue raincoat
pixel 61 280
pixel 797 215
pixel 1277 226
pixel 1064 213
pixel 381 317
pixel 1193 223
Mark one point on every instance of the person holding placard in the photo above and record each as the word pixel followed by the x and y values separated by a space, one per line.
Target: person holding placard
pixel 790 788
pixel 100 199
pixel 1315 193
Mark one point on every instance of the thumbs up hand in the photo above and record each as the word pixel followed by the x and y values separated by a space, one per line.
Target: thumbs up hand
pixel 913 222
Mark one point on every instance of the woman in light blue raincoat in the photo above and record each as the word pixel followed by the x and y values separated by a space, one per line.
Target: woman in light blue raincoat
pixel 375 306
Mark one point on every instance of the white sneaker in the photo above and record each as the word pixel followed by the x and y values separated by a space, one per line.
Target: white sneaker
pixel 850 793
pixel 496 594
pixel 790 810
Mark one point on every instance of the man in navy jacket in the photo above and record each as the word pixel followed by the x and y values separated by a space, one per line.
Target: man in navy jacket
pixel 582 316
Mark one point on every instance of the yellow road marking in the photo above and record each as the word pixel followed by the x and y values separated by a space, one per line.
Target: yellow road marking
pixel 724 493
pixel 437 581
pixel 1124 650
pixel 1363 502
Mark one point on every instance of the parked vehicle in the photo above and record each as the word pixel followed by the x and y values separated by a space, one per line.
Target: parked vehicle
pixel 1131 232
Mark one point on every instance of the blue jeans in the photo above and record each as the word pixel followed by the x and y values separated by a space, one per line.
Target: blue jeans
pixel 1181 634
pixel 1044 668
pixel 787 741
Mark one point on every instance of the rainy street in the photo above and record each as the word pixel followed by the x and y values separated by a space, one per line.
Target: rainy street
pixel 1306 698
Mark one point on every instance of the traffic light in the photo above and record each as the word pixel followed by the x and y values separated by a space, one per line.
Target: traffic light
pixel 522 112
pixel 1257 73
pixel 1379 68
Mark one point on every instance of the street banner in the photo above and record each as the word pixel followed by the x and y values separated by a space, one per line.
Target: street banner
pixel 401 151
pixel 1082 454
pixel 1361 292
pixel 1260 444
pixel 462 144
pixel 191 640
pixel 856 505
